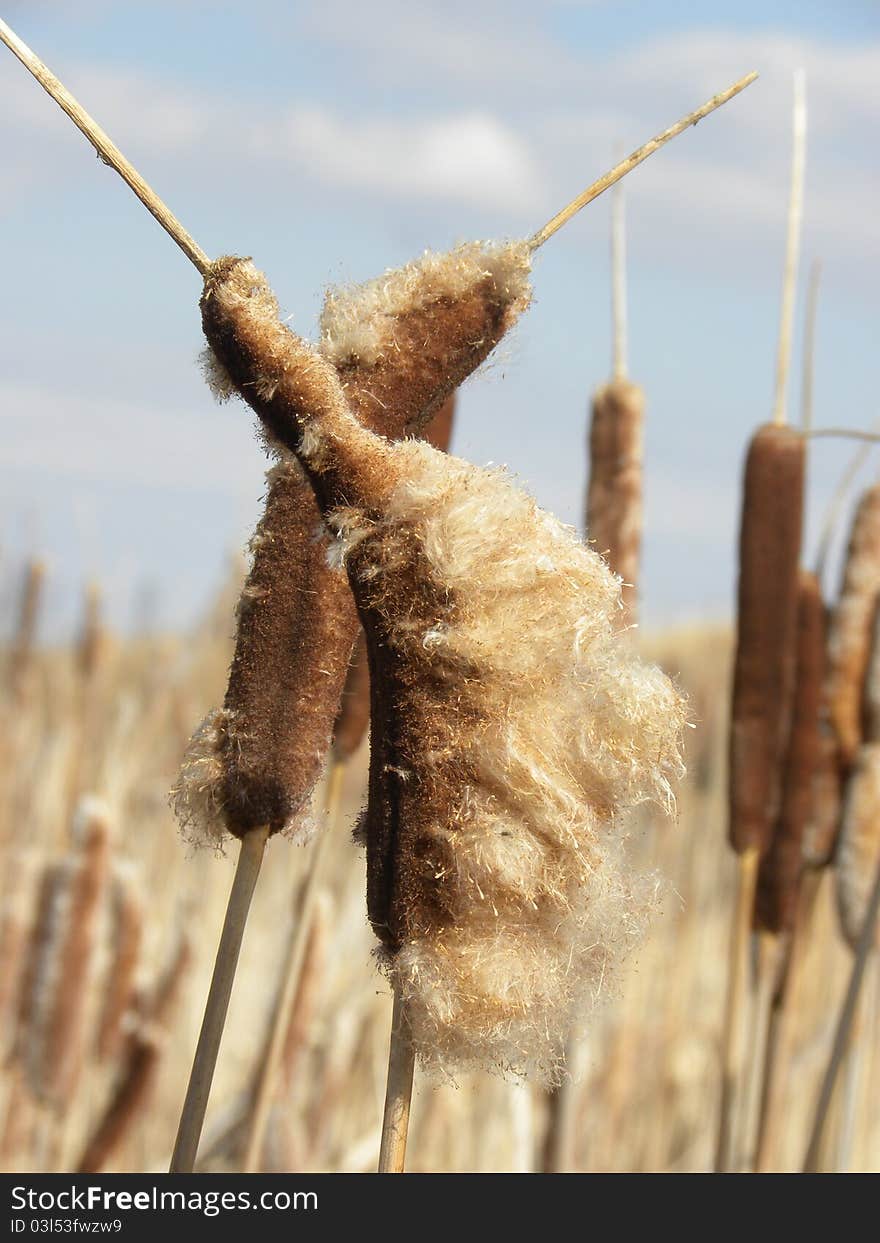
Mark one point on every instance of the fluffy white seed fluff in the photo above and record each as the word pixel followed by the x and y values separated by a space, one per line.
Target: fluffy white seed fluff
pixel 357 322
pixel 571 732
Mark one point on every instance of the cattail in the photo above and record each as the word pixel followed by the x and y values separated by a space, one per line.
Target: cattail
pixel 120 989
pixel 614 497
pixel 770 538
pixel 354 709
pixel 92 643
pixel 858 851
pixel 21 653
pixel 256 761
pixel 13 942
pixel 137 1084
pixel 52 1029
pixel 510 724
pixel 614 492
pixel 780 869
pixel 849 639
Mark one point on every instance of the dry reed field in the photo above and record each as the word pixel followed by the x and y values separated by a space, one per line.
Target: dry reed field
pixel 416 849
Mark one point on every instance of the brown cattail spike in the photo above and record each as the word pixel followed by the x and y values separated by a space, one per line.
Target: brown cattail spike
pixel 770 539
pixel 858 851
pixel 614 495
pixel 353 717
pixel 849 639
pixel 780 870
pixel 24 642
pixel 120 989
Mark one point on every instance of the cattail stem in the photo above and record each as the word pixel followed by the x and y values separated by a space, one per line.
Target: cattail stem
pixel 618 283
pixel 846 433
pixel 736 970
pixel 195 1103
pixel 792 245
pixel 778 1045
pixel 810 348
pixel 844 1024
pixel 398 1093
pixel 107 150
pixel 632 161
pixel 292 972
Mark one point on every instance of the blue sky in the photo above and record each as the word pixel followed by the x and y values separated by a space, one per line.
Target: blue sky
pixel 334 140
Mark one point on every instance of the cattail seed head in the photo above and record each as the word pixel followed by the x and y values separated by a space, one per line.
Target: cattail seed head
pixel 849 640
pixel 858 850
pixel 510 729
pixel 780 869
pixel 614 494
pixel 769 551
pixel 256 761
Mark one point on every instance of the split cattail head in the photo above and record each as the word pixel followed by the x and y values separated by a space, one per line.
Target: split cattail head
pixel 780 869
pixel 614 494
pixel 511 725
pixel 849 641
pixel 256 761
pixel 764 668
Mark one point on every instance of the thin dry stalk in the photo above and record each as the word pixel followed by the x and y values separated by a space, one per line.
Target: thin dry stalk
pixel 107 150
pixel 731 1032
pixel 632 161
pixel 112 156
pixel 195 1103
pixel 398 1093
pixel 292 977
pixel 792 244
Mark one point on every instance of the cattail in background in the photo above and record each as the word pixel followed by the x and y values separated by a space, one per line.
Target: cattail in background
pixel 14 928
pixel 21 652
pixel 849 640
pixel 53 1025
pixel 771 522
pixel 137 1083
pixel 93 637
pixel 614 492
pixel 120 986
pixel 780 868
pixel 770 539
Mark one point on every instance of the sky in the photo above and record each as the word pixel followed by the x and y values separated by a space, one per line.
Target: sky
pixel 334 140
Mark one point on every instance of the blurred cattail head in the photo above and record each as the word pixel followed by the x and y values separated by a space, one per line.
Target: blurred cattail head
pixel 858 850
pixel 63 955
pixel 780 869
pixel 849 641
pixel 614 494
pixel 764 669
